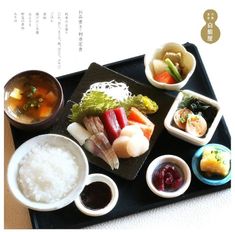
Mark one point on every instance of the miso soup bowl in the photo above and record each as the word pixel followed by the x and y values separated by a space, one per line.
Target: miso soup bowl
pixel 47 121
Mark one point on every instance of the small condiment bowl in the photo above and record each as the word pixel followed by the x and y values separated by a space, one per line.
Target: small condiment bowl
pixel 96 177
pixel 214 181
pixel 188 60
pixel 181 134
pixel 57 141
pixel 171 159
pixel 27 76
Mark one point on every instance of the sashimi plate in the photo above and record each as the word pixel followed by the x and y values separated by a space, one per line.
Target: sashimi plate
pixel 128 168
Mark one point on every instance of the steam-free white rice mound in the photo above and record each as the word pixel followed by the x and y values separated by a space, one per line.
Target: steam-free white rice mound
pixel 47 172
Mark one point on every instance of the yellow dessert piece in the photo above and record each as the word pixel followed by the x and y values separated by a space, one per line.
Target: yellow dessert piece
pixel 215 161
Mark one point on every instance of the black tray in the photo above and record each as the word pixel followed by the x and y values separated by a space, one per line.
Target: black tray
pixel 134 196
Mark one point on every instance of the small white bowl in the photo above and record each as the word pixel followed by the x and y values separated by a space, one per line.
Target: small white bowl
pixel 187 59
pixel 96 177
pixel 180 163
pixel 181 134
pixel 53 140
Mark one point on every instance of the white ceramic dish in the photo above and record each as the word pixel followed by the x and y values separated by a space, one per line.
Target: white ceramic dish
pixel 53 140
pixel 174 160
pixel 96 177
pixel 181 134
pixel 187 59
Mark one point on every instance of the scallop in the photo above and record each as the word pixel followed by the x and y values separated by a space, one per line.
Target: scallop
pixel 137 145
pixel 181 116
pixel 196 125
pixel 131 130
pixel 120 146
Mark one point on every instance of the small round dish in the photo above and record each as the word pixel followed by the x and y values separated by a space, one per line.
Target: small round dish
pixel 46 177
pixel 214 181
pixel 33 100
pixel 90 196
pixel 172 160
pixel 188 61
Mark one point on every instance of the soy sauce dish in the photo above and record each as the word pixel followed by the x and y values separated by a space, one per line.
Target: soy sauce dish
pixel 168 176
pixel 211 164
pixel 99 196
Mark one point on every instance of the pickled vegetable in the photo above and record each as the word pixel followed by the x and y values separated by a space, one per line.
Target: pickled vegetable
pixel 168 177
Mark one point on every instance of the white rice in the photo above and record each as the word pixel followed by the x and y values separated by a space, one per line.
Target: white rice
pixel 47 173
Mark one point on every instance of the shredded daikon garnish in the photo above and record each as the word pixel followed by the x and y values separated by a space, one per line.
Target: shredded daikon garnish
pixel 117 90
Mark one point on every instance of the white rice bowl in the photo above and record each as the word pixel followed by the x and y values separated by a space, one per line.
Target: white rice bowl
pixel 47 172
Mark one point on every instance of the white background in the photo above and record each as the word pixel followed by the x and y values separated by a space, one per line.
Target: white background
pixel 116 30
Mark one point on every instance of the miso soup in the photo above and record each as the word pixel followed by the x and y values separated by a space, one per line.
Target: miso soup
pixel 32 98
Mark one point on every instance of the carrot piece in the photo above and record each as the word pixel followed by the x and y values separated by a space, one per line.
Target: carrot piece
pixel 40 91
pixel 50 98
pixel 45 111
pixel 136 116
pixel 147 129
pixel 165 77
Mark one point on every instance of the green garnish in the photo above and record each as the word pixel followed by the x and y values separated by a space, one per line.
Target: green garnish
pixel 96 103
pixel 182 120
pixel 142 103
pixel 173 70
pixel 33 89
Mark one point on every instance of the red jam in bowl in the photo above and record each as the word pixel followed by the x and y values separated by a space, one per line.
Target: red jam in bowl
pixel 167 177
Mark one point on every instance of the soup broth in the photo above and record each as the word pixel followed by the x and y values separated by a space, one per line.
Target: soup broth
pixel 32 98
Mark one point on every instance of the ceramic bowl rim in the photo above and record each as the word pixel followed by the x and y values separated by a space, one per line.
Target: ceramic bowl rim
pixel 20 152
pixel 168 158
pixel 115 195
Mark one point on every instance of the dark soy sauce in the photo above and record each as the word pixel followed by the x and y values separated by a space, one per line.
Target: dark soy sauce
pixel 96 195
